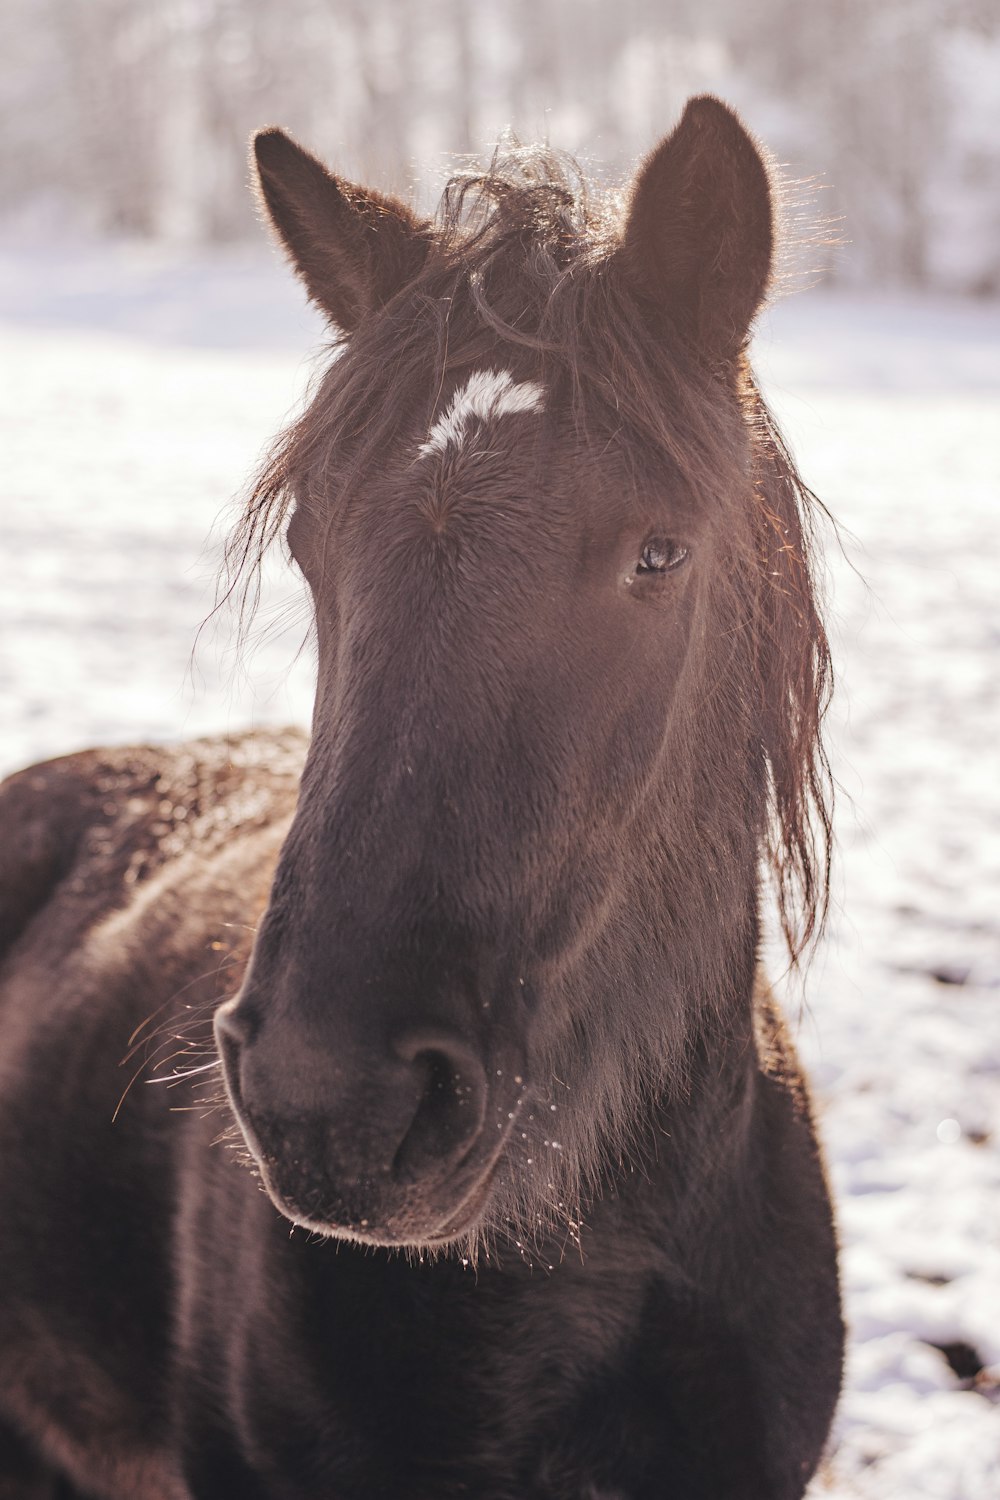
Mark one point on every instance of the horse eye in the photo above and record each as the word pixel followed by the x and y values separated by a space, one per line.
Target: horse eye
pixel 660 555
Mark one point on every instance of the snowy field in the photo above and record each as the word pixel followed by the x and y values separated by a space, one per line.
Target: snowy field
pixel 137 391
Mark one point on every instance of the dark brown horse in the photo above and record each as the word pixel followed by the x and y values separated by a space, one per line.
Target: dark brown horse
pixel 500 1046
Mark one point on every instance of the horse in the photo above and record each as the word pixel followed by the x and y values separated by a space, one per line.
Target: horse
pixel 496 1175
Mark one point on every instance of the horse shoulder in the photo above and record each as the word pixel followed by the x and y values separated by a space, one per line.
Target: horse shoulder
pixel 44 812
pixel 129 881
pixel 95 826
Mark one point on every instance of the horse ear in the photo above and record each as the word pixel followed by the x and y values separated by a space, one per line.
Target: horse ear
pixel 353 247
pixel 700 230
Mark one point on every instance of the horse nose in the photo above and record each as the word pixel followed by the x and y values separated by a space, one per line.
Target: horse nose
pixel 451 1112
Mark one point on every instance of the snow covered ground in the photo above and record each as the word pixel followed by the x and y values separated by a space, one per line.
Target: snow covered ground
pixel 136 391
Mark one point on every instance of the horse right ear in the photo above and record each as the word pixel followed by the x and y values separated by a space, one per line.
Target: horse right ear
pixel 699 235
pixel 353 247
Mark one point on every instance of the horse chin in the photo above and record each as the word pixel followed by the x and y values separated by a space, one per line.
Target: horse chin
pixel 436 1225
pixel 467 1219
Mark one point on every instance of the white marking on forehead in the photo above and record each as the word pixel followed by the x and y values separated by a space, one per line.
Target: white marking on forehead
pixel 485 395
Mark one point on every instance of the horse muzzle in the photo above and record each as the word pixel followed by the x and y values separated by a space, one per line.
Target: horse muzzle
pixel 397 1149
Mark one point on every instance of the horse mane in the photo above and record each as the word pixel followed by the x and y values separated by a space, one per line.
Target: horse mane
pixel 524 257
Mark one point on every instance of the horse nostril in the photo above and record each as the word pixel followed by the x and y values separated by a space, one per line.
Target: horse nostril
pixel 452 1107
pixel 234 1023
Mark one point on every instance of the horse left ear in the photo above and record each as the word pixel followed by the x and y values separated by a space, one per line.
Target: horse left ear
pixel 353 247
pixel 700 230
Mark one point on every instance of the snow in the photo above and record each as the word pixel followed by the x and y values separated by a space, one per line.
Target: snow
pixel 891 406
pixel 138 389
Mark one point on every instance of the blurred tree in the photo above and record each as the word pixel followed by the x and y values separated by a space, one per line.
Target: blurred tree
pixel 133 118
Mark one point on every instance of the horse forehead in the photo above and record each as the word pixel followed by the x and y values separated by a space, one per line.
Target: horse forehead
pixel 487 396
